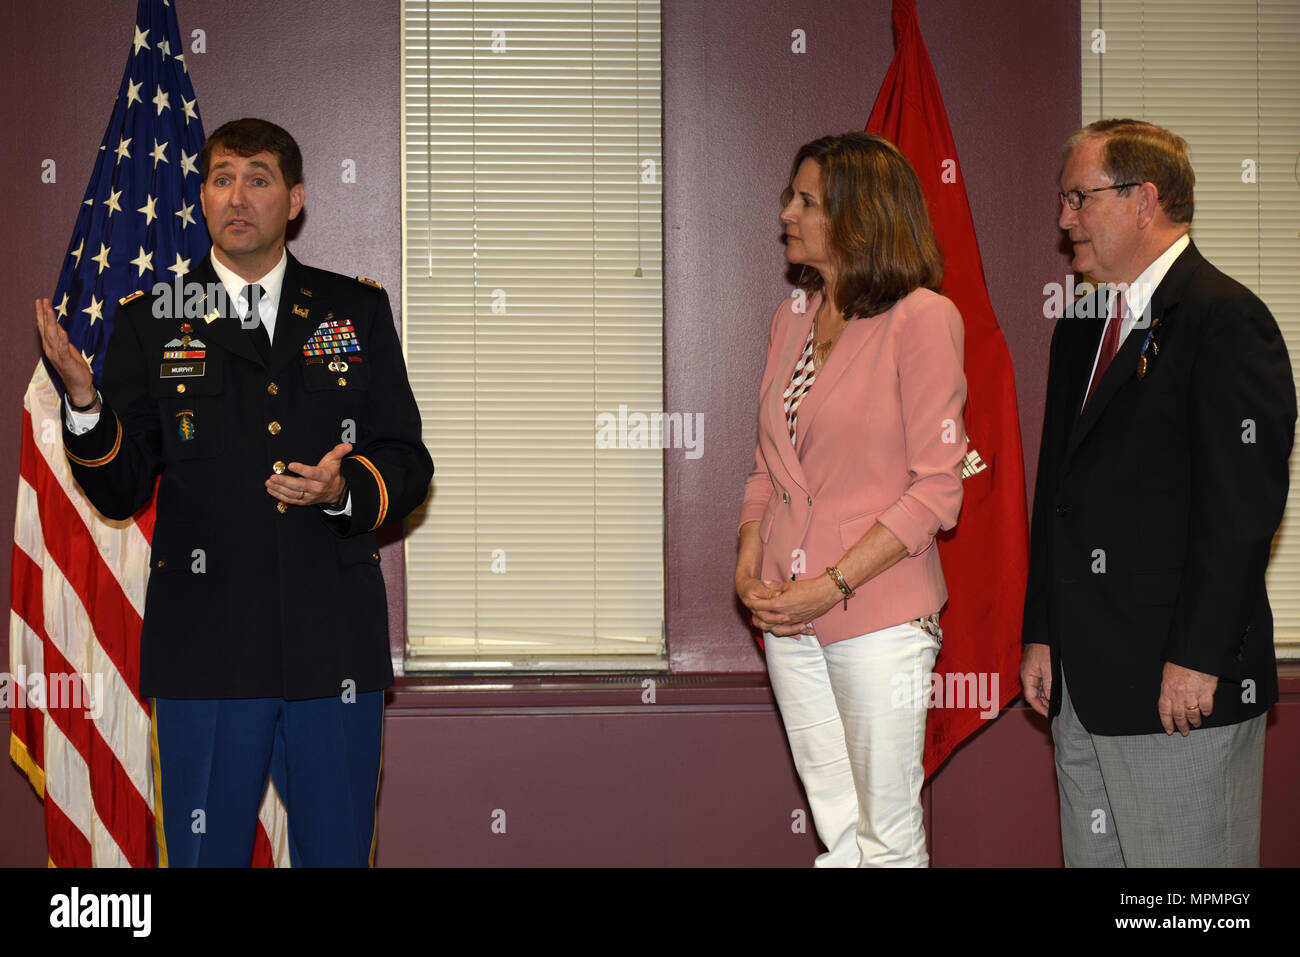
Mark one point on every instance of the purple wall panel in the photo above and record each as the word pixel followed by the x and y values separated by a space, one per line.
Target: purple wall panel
pixel 1280 834
pixel 22 833
pixel 997 790
pixel 646 786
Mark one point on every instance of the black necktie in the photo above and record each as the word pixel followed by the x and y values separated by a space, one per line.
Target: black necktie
pixel 252 295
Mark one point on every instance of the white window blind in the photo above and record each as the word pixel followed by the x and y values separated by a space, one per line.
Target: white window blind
pixel 532 249
pixel 1225 77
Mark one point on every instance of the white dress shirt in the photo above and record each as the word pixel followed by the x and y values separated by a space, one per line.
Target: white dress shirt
pixel 270 283
pixel 1138 295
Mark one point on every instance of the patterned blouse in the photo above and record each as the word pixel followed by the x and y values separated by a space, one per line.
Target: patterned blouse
pixel 800 385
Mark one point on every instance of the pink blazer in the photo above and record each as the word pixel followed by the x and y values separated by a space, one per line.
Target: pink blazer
pixel 880 439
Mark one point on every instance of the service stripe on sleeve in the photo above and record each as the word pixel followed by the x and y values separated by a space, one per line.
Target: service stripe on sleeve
pixel 103 459
pixel 383 490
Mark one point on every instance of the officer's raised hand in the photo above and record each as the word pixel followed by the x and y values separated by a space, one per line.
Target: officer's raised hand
pixel 67 360
pixel 319 484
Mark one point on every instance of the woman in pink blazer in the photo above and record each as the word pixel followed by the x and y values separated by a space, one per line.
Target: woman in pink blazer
pixel 860 441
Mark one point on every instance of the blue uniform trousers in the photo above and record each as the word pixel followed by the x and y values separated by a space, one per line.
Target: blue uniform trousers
pixel 211 763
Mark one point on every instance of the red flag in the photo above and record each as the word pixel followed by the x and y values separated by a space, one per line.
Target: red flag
pixel 986 557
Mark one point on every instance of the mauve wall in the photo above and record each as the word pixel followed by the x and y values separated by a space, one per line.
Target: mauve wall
pixel 591 773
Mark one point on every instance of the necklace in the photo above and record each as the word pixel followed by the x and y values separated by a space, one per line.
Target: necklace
pixel 822 347
pixel 822 352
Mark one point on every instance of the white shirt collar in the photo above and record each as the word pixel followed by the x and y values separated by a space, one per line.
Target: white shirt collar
pixel 1138 294
pixel 270 283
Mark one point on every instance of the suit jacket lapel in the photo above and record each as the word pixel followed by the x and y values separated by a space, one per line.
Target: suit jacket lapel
pixel 852 339
pixel 295 318
pixel 1091 326
pixel 795 336
pixel 1124 366
pixel 1170 291
pixel 1119 371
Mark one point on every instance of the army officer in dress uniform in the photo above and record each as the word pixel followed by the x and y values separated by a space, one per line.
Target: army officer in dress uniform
pixel 282 424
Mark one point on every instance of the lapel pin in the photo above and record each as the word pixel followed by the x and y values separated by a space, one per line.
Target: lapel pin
pixel 1144 364
pixel 300 311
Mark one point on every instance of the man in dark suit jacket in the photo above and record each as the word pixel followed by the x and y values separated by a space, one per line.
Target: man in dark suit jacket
pixel 1162 477
pixel 270 402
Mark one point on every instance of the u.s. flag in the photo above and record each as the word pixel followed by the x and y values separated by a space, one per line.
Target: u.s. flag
pixel 80 730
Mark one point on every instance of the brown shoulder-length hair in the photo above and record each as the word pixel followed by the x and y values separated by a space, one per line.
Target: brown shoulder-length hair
pixel 878 229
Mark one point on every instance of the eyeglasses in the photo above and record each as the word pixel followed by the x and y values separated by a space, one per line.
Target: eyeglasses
pixel 1075 197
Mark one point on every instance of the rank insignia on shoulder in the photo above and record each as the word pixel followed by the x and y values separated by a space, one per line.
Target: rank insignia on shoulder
pixel 135 295
pixel 370 282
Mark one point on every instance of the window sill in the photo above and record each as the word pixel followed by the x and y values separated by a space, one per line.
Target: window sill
pixel 632 691
pixel 442 693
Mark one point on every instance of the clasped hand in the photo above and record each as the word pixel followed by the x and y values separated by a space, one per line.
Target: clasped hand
pixel 787 608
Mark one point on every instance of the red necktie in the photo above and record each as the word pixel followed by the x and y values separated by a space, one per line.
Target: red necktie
pixel 1109 346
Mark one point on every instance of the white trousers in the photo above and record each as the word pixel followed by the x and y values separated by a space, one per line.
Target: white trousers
pixel 854 712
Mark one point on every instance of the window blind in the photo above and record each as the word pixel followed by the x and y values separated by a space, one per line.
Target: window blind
pixel 532 294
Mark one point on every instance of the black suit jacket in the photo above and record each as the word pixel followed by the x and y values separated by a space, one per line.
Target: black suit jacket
pixel 1154 511
pixel 244 599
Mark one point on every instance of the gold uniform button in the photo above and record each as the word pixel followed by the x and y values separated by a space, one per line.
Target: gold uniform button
pixel 278 467
pixel 161 563
pixel 281 507
pixel 272 389
pixel 273 427
pixel 342 381
pixel 180 386
pixel 375 556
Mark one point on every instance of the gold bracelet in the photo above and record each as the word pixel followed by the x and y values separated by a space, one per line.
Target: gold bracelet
pixel 840 583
